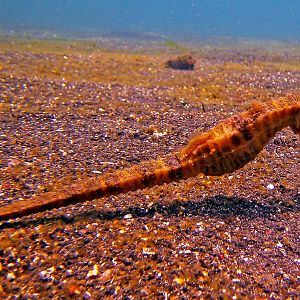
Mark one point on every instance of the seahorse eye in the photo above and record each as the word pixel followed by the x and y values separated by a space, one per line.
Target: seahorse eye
pixel 236 139
pixel 246 134
pixel 176 173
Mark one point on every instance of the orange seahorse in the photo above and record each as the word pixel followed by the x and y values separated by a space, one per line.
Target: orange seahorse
pixel 223 149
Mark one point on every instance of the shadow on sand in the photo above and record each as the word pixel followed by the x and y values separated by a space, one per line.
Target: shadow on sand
pixel 216 206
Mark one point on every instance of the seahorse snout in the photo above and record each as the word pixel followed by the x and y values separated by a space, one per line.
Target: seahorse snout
pixel 296 129
pixel 296 126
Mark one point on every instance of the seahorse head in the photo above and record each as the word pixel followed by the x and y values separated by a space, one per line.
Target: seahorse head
pixel 296 119
pixel 296 129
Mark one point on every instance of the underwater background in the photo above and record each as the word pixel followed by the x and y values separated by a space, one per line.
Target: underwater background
pixel 256 19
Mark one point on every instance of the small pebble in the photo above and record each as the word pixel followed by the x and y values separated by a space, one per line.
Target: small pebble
pixel 87 295
pixel 93 273
pixel 44 275
pixel 11 276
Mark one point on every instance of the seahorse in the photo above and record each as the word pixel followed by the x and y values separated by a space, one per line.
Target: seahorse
pixel 225 148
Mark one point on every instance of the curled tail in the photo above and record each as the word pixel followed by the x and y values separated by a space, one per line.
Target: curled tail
pixel 223 149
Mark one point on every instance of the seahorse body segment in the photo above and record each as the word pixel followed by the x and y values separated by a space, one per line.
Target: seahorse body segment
pixel 223 149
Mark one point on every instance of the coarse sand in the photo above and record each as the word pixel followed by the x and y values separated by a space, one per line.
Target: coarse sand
pixel 66 115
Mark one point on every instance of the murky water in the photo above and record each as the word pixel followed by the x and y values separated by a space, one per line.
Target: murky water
pixel 256 19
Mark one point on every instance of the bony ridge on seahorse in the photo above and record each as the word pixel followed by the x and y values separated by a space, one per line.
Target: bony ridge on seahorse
pixel 223 149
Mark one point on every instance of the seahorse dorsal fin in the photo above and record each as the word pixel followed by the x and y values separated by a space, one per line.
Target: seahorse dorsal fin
pixel 256 106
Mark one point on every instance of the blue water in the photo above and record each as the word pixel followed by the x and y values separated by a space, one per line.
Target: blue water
pixel 255 19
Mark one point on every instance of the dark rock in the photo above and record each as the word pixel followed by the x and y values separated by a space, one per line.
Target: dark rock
pixel 184 62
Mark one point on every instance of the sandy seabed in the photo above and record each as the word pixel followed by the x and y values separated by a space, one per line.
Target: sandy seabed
pixel 72 110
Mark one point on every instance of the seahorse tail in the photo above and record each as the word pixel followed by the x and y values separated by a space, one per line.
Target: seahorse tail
pixel 146 174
